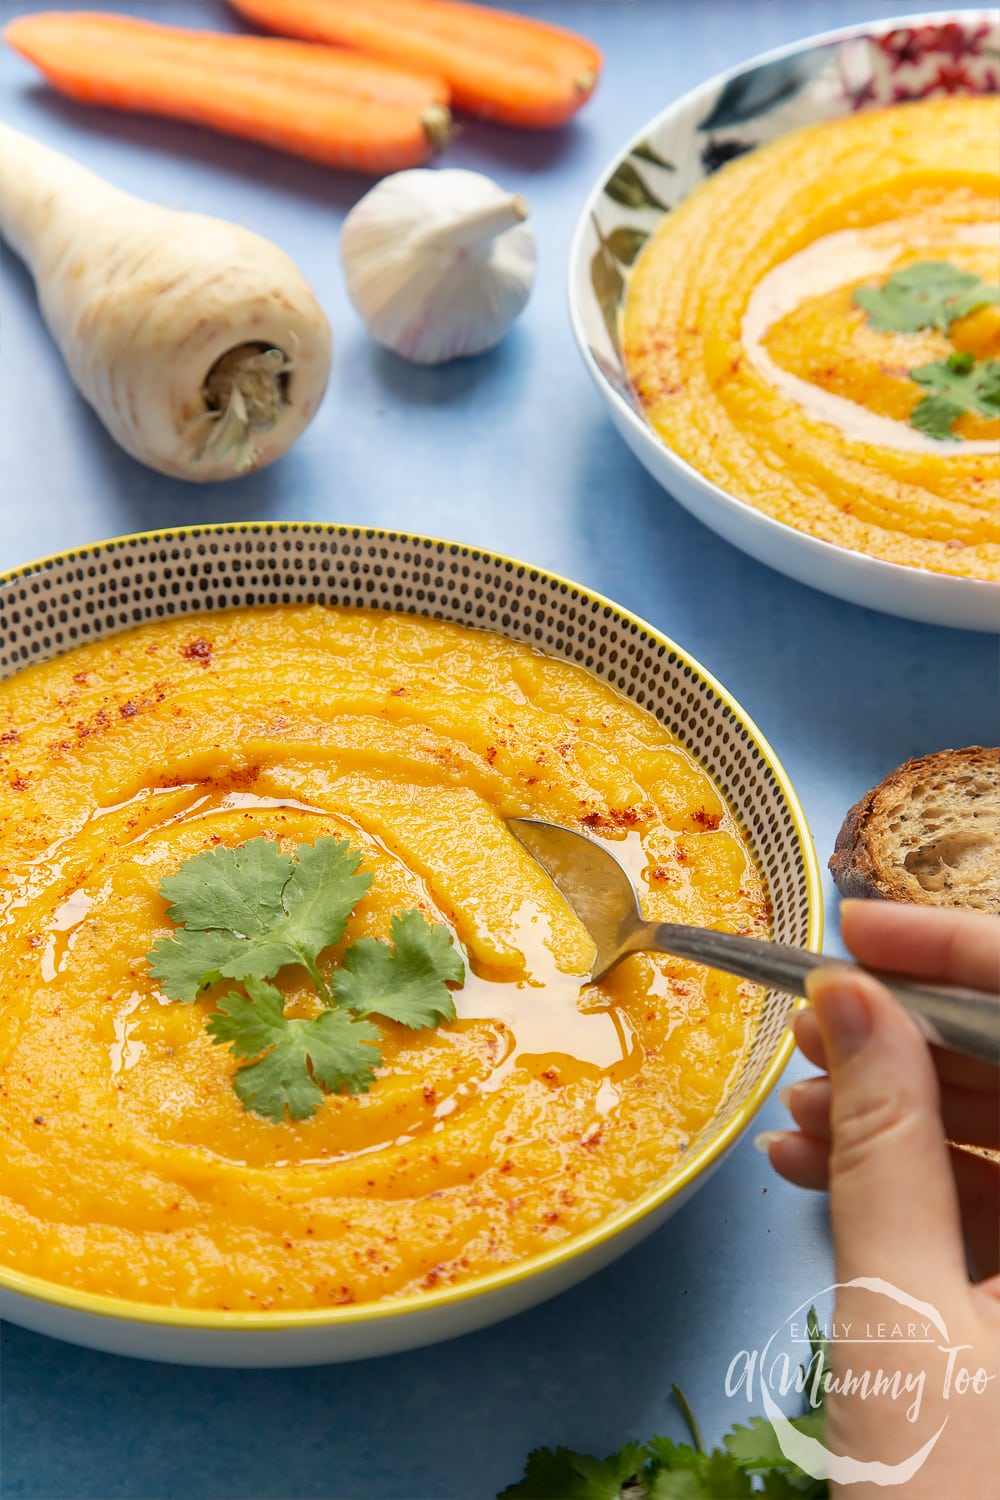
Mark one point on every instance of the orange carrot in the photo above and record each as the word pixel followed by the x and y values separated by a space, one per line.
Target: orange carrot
pixel 344 109
pixel 503 66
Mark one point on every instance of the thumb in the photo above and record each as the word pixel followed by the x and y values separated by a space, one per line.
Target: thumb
pixel 893 1203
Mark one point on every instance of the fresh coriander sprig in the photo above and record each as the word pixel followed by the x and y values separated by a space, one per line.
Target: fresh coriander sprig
pixel 301 1059
pixel 957 385
pixel 246 913
pixel 928 294
pixel 935 294
pixel 749 1464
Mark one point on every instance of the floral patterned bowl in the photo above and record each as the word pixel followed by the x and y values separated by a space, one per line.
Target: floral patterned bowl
pixel 821 78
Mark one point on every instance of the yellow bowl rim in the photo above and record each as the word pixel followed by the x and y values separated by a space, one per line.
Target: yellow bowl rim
pixel 217 1321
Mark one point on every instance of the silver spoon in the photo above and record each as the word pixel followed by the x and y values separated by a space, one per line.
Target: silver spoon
pixel 603 897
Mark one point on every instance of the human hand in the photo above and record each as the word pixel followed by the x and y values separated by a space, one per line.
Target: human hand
pixel 875 1128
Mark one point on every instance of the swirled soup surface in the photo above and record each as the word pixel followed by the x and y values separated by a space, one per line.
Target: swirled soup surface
pixel 755 364
pixel 128 1164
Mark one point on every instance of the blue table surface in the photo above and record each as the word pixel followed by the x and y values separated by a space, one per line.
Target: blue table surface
pixel 512 451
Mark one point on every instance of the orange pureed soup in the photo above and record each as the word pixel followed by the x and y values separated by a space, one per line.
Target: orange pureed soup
pixel 130 1167
pixel 756 363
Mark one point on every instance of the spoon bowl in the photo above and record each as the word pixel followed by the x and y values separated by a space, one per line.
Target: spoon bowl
pixel 602 895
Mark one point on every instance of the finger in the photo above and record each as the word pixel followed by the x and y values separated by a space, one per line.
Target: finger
pixel 809 1038
pixel 808 1103
pixel 798 1158
pixel 952 1068
pixel 804 1160
pixel 889 1166
pixel 968 1119
pixel 978 1181
pixel 935 942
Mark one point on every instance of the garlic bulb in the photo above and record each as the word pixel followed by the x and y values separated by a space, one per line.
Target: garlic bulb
pixel 438 263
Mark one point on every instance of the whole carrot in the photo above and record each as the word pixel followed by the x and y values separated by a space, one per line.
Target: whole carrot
pixel 499 65
pixel 341 108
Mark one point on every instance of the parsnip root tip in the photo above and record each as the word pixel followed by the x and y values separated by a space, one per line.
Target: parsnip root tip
pixel 244 393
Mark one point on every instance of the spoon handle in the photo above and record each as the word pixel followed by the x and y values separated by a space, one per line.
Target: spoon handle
pixel 962 1020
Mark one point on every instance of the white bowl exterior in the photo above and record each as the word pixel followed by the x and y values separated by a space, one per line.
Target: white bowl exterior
pixel 911 593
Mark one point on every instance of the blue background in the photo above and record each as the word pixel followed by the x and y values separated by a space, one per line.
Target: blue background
pixel 511 451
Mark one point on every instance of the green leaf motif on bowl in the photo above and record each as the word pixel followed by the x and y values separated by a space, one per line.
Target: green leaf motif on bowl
pixel 608 283
pixel 625 243
pixel 762 89
pixel 645 152
pixel 614 250
pixel 627 187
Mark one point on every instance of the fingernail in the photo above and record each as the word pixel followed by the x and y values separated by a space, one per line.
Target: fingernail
pixel 766 1139
pixel 785 1095
pixel 841 1009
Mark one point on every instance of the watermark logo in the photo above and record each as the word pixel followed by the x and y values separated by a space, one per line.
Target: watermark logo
pixel 887 1346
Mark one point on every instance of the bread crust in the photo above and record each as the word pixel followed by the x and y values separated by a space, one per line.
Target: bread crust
pixel 869 855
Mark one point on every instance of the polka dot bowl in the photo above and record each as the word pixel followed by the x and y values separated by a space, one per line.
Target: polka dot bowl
pixel 50 606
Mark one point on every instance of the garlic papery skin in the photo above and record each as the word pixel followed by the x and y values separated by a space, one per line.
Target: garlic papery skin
pixel 438 263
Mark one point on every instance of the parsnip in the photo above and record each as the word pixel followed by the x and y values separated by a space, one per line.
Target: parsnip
pixel 198 343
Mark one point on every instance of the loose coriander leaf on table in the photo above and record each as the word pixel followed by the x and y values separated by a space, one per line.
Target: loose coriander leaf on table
pixel 958 384
pixel 405 983
pixel 561 1474
pixel 716 1477
pixel 756 1449
pixel 792 1484
pixel 819 1356
pixel 928 294
pixel 755 1446
pixel 665 1453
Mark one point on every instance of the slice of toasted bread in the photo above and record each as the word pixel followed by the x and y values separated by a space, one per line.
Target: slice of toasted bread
pixel 928 833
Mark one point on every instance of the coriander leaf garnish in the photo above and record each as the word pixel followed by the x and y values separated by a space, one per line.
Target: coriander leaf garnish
pixel 928 294
pixel 934 294
pixel 262 908
pixel 323 891
pixel 236 889
pixel 190 962
pixel 250 1025
pixel 407 984
pixel 342 1052
pixel 250 911
pixel 959 384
